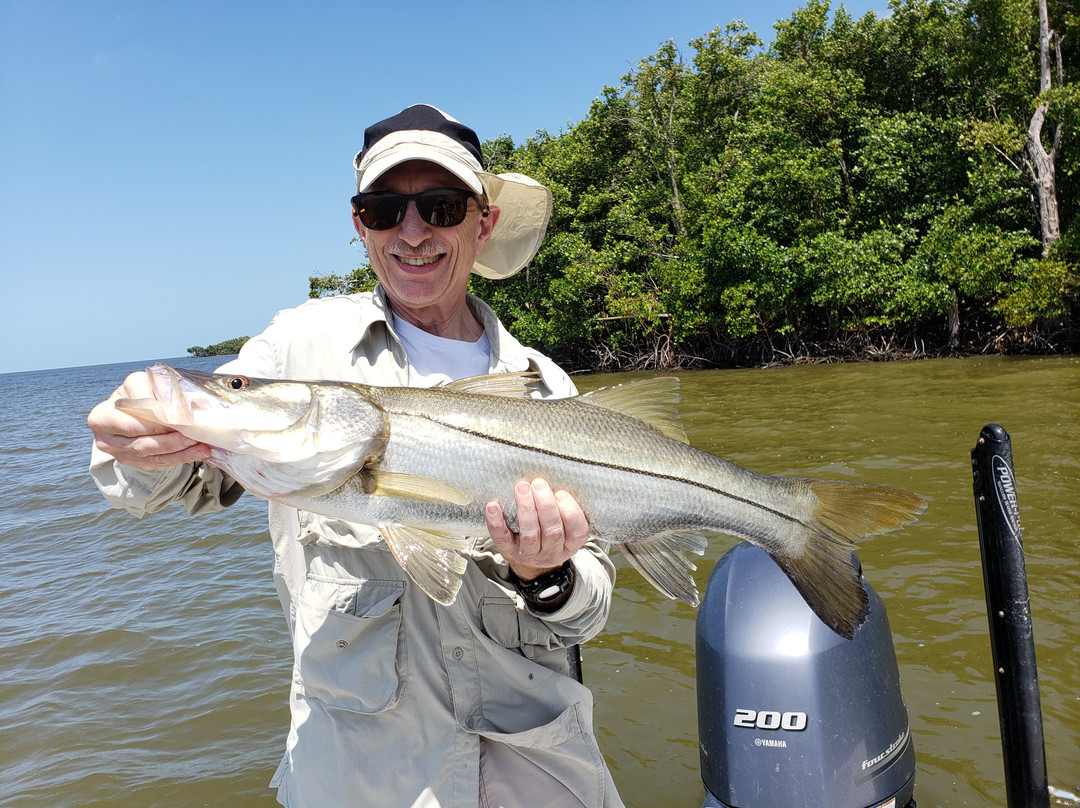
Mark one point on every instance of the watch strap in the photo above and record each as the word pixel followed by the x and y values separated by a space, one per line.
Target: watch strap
pixel 548 591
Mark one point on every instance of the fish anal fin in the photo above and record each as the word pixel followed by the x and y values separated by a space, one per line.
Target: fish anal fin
pixel 509 385
pixel 662 561
pixel 431 558
pixel 409 486
pixel 651 400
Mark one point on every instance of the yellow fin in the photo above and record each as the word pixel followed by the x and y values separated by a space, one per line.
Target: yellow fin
pixel 823 570
pixel 651 400
pixel 510 385
pixel 409 486
pixel 854 510
pixel 430 557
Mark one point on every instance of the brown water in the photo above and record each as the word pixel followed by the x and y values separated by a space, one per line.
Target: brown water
pixel 145 663
pixel 912 426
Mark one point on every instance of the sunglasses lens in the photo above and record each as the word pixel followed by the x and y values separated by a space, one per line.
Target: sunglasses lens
pixel 380 211
pixel 443 207
pixel 439 207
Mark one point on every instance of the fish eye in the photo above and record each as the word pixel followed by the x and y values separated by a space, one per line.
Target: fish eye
pixel 238 382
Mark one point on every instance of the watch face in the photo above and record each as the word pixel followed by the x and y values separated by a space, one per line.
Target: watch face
pixel 549 586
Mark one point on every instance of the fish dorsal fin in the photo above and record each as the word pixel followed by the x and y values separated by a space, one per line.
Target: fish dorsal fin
pixel 652 400
pixel 510 385
pixel 430 557
pixel 409 486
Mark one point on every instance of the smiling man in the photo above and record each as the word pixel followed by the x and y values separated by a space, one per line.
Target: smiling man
pixel 397 700
pixel 424 268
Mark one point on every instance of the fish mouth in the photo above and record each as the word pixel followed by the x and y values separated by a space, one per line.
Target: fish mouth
pixel 180 394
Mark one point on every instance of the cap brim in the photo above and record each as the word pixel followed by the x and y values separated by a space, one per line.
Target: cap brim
pixel 406 152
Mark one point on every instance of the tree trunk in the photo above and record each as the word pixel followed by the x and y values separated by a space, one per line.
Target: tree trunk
pixel 1041 161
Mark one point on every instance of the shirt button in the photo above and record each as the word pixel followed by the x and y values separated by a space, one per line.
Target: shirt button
pixel 457 654
pixel 469 722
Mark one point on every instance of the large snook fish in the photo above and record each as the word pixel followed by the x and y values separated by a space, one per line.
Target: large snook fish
pixel 421 464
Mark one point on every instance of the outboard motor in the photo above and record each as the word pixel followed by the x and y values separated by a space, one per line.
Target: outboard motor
pixel 789 713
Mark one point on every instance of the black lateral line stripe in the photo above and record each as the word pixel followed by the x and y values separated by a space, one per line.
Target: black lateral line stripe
pixel 600 464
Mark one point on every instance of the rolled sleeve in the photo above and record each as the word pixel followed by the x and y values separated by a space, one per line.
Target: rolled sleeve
pixel 583 615
pixel 201 488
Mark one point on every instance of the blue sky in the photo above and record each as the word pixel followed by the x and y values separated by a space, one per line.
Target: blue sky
pixel 172 172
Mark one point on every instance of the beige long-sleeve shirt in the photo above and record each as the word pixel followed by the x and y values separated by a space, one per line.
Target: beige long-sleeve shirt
pixel 391 692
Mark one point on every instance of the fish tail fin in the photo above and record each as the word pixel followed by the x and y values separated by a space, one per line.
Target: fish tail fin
pixel 662 562
pixel 854 510
pixel 825 571
pixel 430 557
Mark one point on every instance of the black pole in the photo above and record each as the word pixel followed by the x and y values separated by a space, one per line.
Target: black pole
pixel 1012 641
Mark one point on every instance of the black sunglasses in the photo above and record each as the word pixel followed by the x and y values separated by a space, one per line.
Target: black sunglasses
pixel 439 207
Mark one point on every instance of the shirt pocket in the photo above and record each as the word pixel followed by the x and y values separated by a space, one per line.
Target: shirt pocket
pixel 350 643
pixel 519 630
pixel 566 749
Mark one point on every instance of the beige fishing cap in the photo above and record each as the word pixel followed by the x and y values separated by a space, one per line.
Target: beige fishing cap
pixel 424 132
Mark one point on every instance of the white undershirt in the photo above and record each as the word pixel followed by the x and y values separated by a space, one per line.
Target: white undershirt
pixel 435 360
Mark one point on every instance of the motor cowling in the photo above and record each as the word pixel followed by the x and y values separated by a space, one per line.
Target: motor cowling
pixel 789 713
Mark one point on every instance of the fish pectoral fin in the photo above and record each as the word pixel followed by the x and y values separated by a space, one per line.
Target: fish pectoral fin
pixel 509 385
pixel 430 557
pixel 661 560
pixel 409 486
pixel 650 400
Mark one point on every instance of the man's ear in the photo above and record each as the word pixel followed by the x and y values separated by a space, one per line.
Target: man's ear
pixel 487 225
pixel 360 230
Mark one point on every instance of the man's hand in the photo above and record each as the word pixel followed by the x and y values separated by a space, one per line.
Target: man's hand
pixel 551 528
pixel 137 443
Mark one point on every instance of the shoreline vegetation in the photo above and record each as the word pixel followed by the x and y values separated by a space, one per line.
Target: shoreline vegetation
pixel 226 348
pixel 869 346
pixel 879 346
pixel 858 189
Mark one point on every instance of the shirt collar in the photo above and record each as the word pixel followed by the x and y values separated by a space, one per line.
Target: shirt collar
pixel 374 308
pixel 507 354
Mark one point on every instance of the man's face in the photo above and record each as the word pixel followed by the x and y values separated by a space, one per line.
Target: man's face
pixel 425 269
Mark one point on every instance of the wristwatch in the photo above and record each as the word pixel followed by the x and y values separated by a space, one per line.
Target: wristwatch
pixel 548 591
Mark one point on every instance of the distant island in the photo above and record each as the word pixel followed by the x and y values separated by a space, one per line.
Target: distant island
pixel 226 348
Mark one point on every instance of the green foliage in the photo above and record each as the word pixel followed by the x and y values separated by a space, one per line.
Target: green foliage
pixel 361 279
pixel 1038 291
pixel 854 176
pixel 226 348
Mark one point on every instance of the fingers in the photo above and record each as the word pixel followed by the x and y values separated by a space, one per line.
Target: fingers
pixel 153 452
pixel 138 443
pixel 538 516
pixel 497 528
pixel 575 523
pixel 551 528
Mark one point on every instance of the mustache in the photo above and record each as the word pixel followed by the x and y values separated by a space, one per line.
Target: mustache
pixel 424 250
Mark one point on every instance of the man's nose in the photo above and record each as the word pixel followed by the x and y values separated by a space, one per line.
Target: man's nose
pixel 413 228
